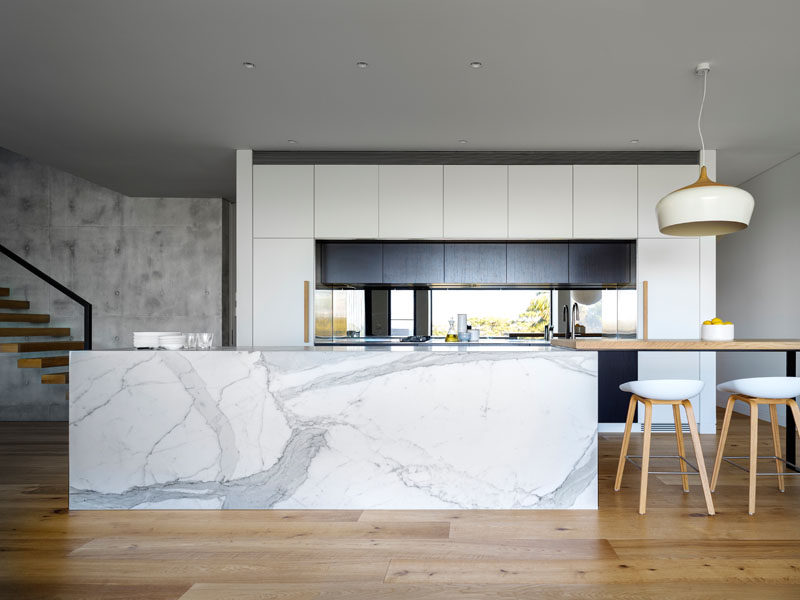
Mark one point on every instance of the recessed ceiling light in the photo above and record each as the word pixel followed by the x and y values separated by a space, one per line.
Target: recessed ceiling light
pixel 463 141
pixel 249 65
pixel 476 64
pixel 291 142
pixel 362 65
pixel 634 141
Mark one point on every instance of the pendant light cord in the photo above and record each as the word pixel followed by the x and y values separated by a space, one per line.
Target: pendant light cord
pixel 700 116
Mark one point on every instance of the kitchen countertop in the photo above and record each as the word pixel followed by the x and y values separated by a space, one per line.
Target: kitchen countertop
pixel 385 347
pixel 651 344
pixel 504 342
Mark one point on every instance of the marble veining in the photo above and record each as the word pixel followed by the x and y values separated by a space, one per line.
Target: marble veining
pixel 250 429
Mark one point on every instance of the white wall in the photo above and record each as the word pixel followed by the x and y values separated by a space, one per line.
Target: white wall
pixel 758 285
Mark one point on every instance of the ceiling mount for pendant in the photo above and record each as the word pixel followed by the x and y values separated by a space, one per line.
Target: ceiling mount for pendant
pixel 704 207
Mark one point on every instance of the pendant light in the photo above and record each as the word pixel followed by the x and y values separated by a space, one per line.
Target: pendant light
pixel 704 207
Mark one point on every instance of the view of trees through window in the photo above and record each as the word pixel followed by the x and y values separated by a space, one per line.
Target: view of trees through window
pixel 495 312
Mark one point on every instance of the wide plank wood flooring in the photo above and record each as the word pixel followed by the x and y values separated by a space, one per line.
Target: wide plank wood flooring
pixel 675 551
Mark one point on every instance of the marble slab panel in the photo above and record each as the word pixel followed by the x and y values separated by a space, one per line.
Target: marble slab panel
pixel 333 430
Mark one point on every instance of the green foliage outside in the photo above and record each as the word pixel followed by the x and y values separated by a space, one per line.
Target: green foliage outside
pixel 532 320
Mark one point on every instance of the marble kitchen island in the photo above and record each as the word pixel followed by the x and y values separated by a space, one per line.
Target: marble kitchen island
pixel 334 428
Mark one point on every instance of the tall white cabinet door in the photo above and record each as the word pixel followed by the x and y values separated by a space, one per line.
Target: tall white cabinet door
pixel 604 201
pixel 280 268
pixel 283 201
pixel 411 201
pixel 655 182
pixel 672 269
pixel 476 201
pixel 540 201
pixel 346 201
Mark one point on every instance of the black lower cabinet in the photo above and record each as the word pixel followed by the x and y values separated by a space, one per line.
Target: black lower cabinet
pixel 613 369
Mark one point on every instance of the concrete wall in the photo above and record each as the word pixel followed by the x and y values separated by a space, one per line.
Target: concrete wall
pixel 758 287
pixel 144 263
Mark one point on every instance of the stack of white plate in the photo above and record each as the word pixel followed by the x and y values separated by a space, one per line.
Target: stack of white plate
pixel 150 339
pixel 171 341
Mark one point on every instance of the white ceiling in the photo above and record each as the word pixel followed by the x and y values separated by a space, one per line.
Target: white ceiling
pixel 149 97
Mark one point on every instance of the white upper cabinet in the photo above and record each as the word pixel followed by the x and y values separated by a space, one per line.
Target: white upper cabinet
pixel 476 201
pixel 540 201
pixel 655 182
pixel 604 201
pixel 283 201
pixel 411 198
pixel 346 201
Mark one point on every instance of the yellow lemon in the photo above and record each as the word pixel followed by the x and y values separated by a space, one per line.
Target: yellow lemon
pixel 706 322
pixel 716 321
pixel 727 323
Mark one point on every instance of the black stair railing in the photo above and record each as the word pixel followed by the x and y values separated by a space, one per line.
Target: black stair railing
pixel 87 306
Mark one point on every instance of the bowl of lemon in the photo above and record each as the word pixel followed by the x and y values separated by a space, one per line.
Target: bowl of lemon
pixel 716 330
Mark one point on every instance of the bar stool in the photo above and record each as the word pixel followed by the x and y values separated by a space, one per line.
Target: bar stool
pixel 757 391
pixel 673 392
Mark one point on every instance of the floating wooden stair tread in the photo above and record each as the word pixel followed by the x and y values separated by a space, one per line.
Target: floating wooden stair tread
pixel 42 362
pixel 14 304
pixel 40 346
pixel 5 291
pixel 30 331
pixel 24 318
pixel 55 378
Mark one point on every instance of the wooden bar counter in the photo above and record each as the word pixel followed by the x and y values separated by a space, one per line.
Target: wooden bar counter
pixel 789 346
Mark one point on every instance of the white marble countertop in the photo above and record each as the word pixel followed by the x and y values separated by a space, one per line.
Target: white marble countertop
pixel 410 347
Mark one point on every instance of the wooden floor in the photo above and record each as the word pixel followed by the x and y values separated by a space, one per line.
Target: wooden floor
pixel 675 551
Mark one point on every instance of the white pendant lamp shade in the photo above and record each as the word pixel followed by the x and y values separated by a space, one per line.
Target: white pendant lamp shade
pixel 704 208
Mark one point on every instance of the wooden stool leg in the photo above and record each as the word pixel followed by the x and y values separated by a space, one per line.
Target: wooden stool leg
pixel 751 504
pixel 626 438
pixel 723 435
pixel 648 420
pixel 676 414
pixel 776 443
pixel 698 455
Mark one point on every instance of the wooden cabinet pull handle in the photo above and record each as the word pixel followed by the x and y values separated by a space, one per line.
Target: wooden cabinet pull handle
pixel 305 310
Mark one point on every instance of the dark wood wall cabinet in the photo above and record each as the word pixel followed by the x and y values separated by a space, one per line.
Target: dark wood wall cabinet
pixel 474 263
pixel 413 263
pixel 557 264
pixel 352 262
pixel 538 262
pixel 600 262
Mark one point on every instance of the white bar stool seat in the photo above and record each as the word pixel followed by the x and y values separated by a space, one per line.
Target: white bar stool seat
pixel 674 392
pixel 756 391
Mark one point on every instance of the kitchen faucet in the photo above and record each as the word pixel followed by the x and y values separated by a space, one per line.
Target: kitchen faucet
pixel 574 320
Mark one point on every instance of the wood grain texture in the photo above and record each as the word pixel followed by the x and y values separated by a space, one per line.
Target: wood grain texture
pixel 505 591
pixel 40 346
pixel 34 331
pixel 48 552
pixel 23 317
pixel 55 378
pixel 21 304
pixel 45 361
pixel 636 344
